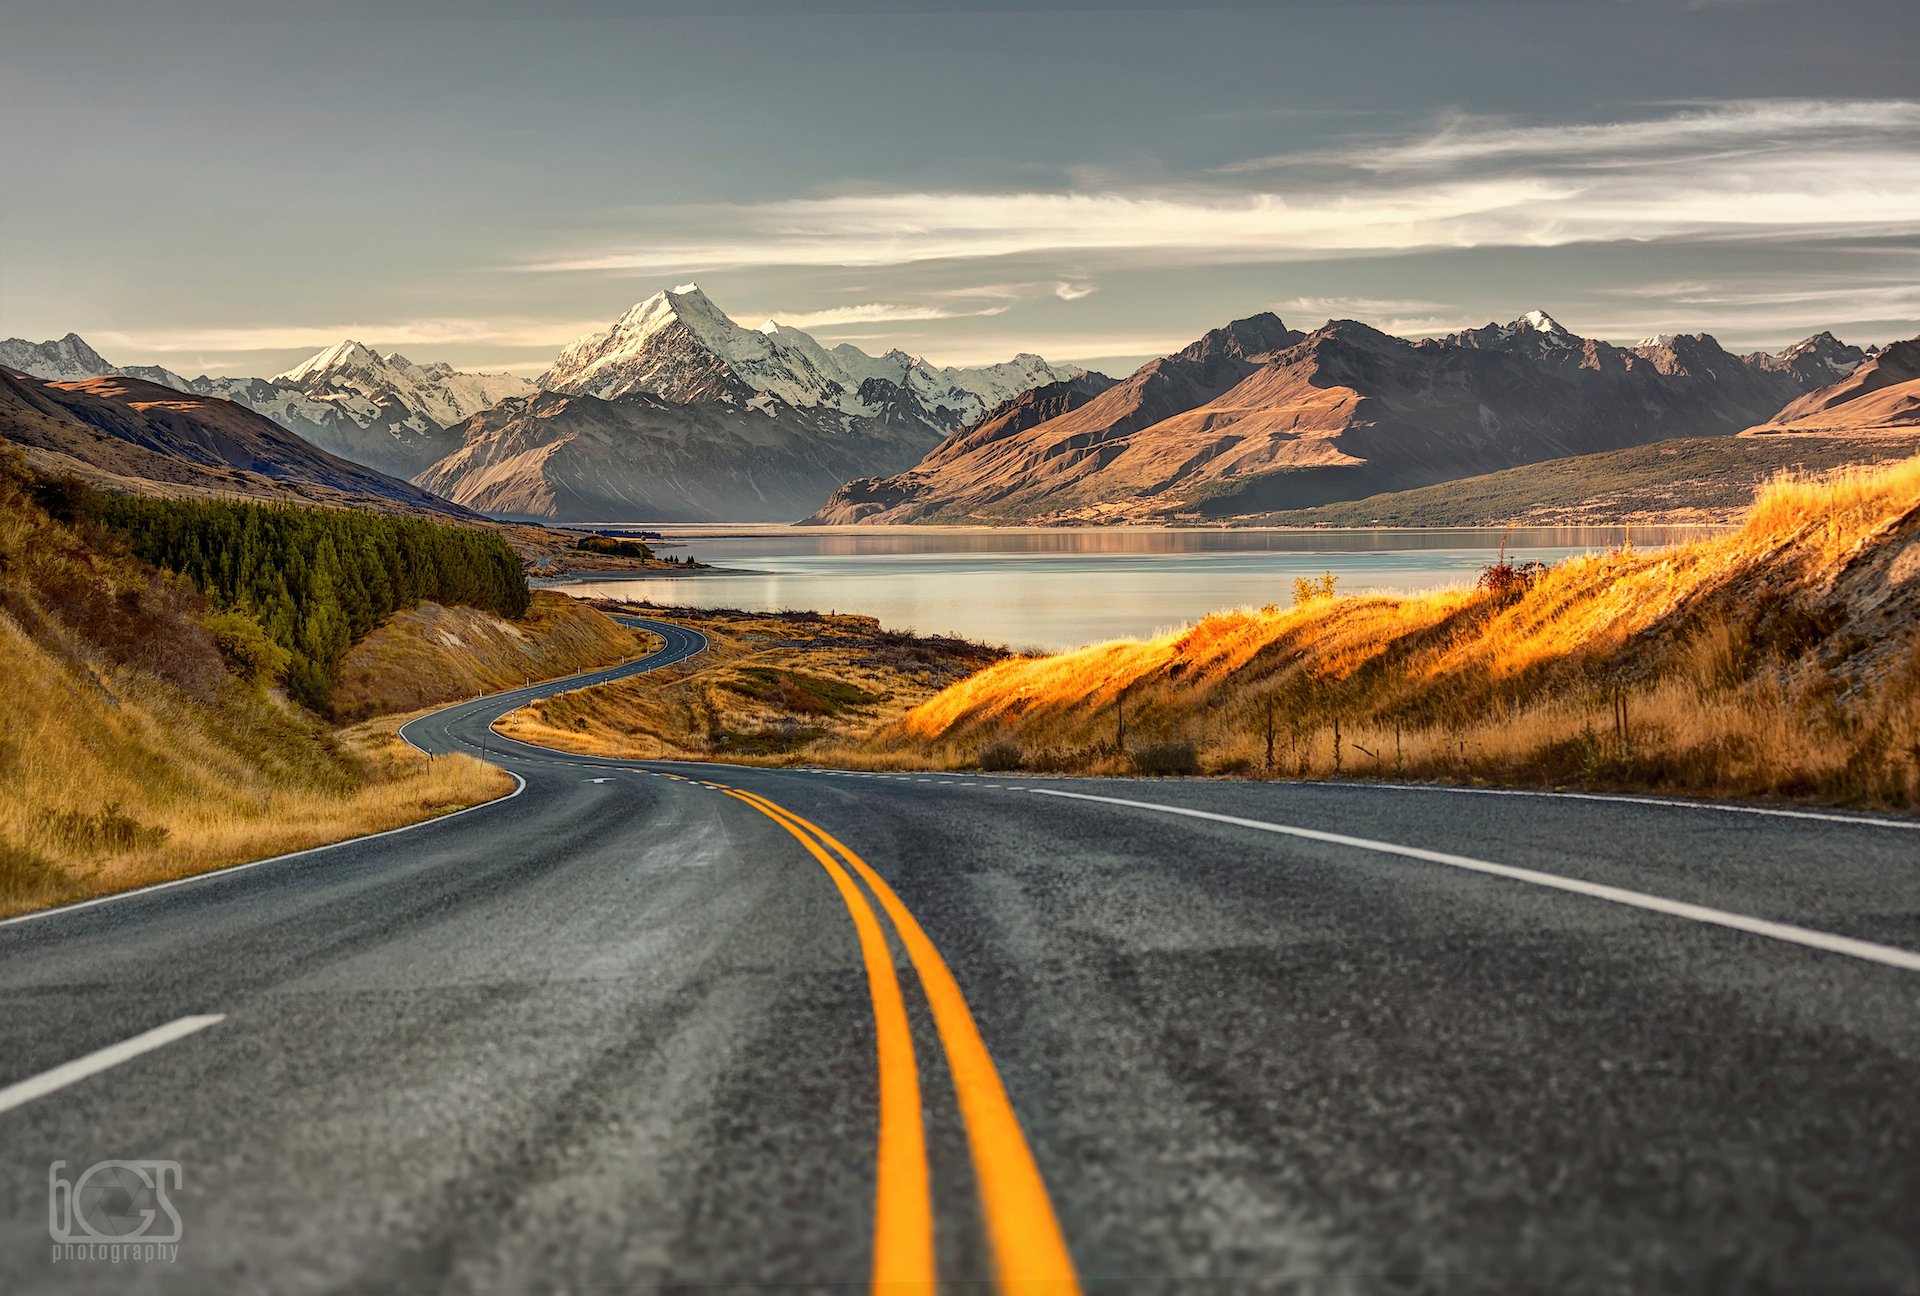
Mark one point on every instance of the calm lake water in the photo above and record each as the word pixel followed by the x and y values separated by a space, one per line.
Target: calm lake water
pixel 1061 588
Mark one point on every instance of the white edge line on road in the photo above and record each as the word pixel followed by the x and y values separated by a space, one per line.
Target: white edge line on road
pixel 25 1091
pixel 1888 955
pixel 1858 820
pixel 1628 798
pixel 520 785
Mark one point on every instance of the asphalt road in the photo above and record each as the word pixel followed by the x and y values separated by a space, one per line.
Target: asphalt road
pixel 651 1024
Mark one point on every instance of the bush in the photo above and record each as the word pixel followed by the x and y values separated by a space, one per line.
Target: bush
pixel 1166 758
pixel 105 830
pixel 1000 755
pixel 613 548
pixel 1506 580
pixel 248 648
pixel 1309 589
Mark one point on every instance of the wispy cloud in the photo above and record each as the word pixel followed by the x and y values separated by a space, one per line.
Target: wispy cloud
pixel 1363 308
pixel 877 313
pixel 1730 126
pixel 387 333
pixel 1755 170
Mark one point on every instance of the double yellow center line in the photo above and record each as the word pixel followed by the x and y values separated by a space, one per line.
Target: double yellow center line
pixel 1028 1249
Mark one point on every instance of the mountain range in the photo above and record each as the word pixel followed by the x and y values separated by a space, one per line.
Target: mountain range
pixel 1256 416
pixel 128 433
pixel 676 413
pixel 380 410
pixel 672 413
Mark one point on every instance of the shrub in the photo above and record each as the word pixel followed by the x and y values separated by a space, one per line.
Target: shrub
pixel 1000 755
pixel 1310 589
pixel 1507 580
pixel 612 547
pixel 248 648
pixel 1166 758
pixel 104 831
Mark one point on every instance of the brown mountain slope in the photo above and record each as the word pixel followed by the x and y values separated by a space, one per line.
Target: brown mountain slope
pixel 1243 424
pixel 1001 474
pixel 1882 395
pixel 123 433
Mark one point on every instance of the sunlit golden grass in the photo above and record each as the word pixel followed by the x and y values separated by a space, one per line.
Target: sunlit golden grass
pixel 765 690
pixel 1783 659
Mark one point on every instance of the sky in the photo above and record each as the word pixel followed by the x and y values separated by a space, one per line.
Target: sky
pixel 228 187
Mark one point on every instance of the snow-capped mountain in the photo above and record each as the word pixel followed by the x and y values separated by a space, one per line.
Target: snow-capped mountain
pixel 383 411
pixel 680 346
pixel 1534 333
pixel 1820 359
pixel 1256 417
pixel 66 359
pixel 364 382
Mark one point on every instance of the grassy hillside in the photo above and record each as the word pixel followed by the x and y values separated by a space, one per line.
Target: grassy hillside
pixel 1782 659
pixel 1695 480
pixel 143 737
pixel 768 686
pixel 433 654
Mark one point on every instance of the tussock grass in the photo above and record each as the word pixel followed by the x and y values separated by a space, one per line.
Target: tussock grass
pixel 130 749
pixel 1782 659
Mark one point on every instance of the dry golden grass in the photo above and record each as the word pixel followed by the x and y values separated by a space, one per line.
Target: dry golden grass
pixel 129 751
pixel 767 688
pixel 1783 659
pixel 431 654
pixel 113 779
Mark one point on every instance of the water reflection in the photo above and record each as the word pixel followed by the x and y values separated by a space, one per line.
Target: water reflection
pixel 1058 588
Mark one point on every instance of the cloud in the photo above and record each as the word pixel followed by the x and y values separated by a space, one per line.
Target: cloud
pixel 1073 291
pixel 1757 313
pixel 876 313
pixel 392 333
pixel 1728 126
pixel 1803 169
pixel 1357 307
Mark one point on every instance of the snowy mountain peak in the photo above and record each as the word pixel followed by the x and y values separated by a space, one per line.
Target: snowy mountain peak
pixel 370 388
pixel 63 360
pixel 679 345
pixel 1550 331
pixel 344 354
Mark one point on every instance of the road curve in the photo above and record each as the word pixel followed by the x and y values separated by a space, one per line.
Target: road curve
pixel 654 1023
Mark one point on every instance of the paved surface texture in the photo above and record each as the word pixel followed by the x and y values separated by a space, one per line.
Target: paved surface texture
pixel 619 1032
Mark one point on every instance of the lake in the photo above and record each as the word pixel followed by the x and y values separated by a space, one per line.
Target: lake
pixel 1059 588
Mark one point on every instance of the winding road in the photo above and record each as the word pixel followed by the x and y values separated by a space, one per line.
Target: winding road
pixel 647 1024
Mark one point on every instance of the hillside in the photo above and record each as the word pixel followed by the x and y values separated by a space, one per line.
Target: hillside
pixel 1783 659
pixel 431 654
pixel 1880 397
pixel 143 738
pixel 1687 482
pixel 383 411
pixel 1257 417
pixel 124 433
